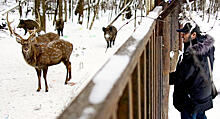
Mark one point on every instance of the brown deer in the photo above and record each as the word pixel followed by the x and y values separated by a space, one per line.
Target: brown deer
pixel 44 51
pixel 45 38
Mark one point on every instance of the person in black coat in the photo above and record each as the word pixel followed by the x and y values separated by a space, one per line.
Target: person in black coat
pixel 191 80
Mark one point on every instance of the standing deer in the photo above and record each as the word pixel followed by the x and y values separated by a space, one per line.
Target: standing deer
pixel 44 51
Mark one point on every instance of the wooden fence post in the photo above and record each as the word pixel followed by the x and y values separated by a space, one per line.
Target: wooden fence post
pixel 166 65
pixel 175 42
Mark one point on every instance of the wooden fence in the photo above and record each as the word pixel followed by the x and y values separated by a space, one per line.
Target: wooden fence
pixel 139 87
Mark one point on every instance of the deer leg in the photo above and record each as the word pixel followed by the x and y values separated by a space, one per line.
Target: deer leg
pixel 68 65
pixel 45 78
pixel 39 78
pixel 69 68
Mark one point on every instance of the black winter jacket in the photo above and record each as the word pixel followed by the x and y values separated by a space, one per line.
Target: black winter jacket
pixel 191 80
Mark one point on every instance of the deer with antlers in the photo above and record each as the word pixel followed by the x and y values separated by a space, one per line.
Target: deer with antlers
pixel 44 51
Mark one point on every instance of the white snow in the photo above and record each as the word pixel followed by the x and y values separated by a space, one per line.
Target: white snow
pixel 146 23
pixel 18 82
pixel 107 77
pixel 171 54
pixel 86 112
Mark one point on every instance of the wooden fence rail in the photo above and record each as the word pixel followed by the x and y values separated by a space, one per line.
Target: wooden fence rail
pixel 138 88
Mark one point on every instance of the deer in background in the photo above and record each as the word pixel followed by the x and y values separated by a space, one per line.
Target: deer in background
pixel 44 51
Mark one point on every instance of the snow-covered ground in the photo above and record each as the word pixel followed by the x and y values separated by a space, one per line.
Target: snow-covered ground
pixel 18 80
pixel 214 112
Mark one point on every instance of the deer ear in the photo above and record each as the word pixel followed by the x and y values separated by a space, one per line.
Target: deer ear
pixel 110 28
pixel 18 40
pixel 31 39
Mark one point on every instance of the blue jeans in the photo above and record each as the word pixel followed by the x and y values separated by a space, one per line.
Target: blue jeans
pixel 187 115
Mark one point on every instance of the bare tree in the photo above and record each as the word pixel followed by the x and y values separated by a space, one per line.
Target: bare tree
pixel 65 8
pixel 28 8
pixel 55 15
pixel 125 2
pixel 43 17
pixel 37 6
pixel 70 9
pixel 88 2
pixel 60 8
pixel 20 8
pixel 95 13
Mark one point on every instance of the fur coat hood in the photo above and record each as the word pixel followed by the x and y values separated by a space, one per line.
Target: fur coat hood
pixel 203 45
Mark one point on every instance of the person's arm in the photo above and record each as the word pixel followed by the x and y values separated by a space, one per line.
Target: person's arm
pixel 172 78
pixel 184 71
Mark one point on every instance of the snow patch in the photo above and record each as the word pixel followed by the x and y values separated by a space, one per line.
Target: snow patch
pixel 112 71
pixel 142 30
pixel 86 112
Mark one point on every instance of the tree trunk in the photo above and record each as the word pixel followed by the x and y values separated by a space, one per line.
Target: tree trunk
pixel 55 16
pixel 135 14
pixel 125 1
pixel 65 8
pixel 88 1
pixel 203 9
pixel 60 9
pixel 73 2
pixel 147 4
pixel 70 9
pixel 37 6
pixel 43 18
pixel 20 9
pixel 95 13
pixel 141 7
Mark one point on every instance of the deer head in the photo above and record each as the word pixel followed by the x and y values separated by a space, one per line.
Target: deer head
pixel 26 44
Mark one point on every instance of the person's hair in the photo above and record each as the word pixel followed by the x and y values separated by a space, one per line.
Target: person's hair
pixel 197 30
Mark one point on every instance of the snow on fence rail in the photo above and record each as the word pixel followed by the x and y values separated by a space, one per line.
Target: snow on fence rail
pixel 133 83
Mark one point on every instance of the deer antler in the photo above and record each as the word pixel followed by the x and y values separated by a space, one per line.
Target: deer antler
pixel 13 31
pixel 9 25
pixel 32 34
pixel 19 39
pixel 38 24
